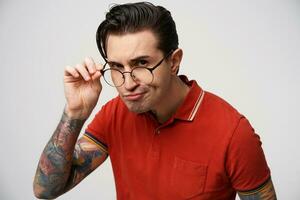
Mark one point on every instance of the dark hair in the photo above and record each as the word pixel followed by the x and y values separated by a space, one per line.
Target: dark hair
pixel 134 17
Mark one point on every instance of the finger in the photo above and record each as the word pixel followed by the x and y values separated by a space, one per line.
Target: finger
pixel 83 72
pixel 99 67
pixel 96 75
pixel 90 64
pixel 71 71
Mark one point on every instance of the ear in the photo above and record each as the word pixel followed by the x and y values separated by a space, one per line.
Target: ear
pixel 175 60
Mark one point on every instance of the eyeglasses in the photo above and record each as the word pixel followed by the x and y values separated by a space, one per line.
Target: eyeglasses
pixel 116 78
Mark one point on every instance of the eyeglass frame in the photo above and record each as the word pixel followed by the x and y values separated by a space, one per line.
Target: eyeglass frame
pixel 151 69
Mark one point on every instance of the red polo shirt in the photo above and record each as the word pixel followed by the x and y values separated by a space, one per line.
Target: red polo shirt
pixel 207 150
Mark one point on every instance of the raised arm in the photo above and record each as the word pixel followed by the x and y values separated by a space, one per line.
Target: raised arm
pixel 66 161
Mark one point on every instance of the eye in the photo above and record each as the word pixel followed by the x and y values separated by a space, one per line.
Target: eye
pixel 115 65
pixel 142 63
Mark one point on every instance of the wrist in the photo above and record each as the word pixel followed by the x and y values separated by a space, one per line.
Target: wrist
pixel 75 114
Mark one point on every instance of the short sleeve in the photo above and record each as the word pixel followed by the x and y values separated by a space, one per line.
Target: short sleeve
pixel 98 129
pixel 246 164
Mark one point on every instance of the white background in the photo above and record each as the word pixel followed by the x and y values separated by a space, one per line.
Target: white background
pixel 244 51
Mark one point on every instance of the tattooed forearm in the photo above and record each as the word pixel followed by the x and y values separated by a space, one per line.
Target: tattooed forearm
pixel 266 192
pixel 86 158
pixel 56 160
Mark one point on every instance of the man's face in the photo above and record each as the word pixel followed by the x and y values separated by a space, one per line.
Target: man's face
pixel 139 47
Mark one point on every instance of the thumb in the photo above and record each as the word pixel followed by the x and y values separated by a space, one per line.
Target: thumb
pixel 98 72
pixel 99 67
pixel 96 76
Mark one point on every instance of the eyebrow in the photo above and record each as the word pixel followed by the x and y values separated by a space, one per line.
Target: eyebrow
pixel 131 60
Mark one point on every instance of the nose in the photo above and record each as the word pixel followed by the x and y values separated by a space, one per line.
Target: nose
pixel 129 83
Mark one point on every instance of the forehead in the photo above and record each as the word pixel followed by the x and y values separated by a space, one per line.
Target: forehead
pixel 130 45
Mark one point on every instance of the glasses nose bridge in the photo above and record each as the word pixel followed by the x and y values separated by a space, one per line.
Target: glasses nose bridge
pixel 131 76
pixel 127 72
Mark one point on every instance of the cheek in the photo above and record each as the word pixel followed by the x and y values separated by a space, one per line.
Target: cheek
pixel 159 88
pixel 162 79
pixel 120 90
pixel 162 73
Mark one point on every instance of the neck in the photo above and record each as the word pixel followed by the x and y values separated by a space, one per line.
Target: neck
pixel 169 105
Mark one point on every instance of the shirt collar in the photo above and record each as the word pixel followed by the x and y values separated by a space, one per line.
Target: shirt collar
pixel 188 109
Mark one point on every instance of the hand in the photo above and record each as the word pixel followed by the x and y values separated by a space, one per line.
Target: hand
pixel 82 88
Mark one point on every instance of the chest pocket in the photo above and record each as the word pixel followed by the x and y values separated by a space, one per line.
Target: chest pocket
pixel 187 178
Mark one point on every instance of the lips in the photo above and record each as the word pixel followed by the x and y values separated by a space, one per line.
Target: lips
pixel 134 96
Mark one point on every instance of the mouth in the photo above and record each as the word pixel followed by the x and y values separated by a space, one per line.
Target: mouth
pixel 134 96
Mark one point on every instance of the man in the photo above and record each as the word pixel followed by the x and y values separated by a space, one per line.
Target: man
pixel 166 137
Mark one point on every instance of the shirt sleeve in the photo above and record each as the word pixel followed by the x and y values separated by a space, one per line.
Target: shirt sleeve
pixel 98 129
pixel 246 164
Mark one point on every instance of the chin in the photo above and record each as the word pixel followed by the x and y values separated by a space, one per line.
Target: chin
pixel 137 108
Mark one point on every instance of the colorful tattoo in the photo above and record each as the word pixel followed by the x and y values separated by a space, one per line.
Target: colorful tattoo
pixel 62 165
pixel 265 192
pixel 87 157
